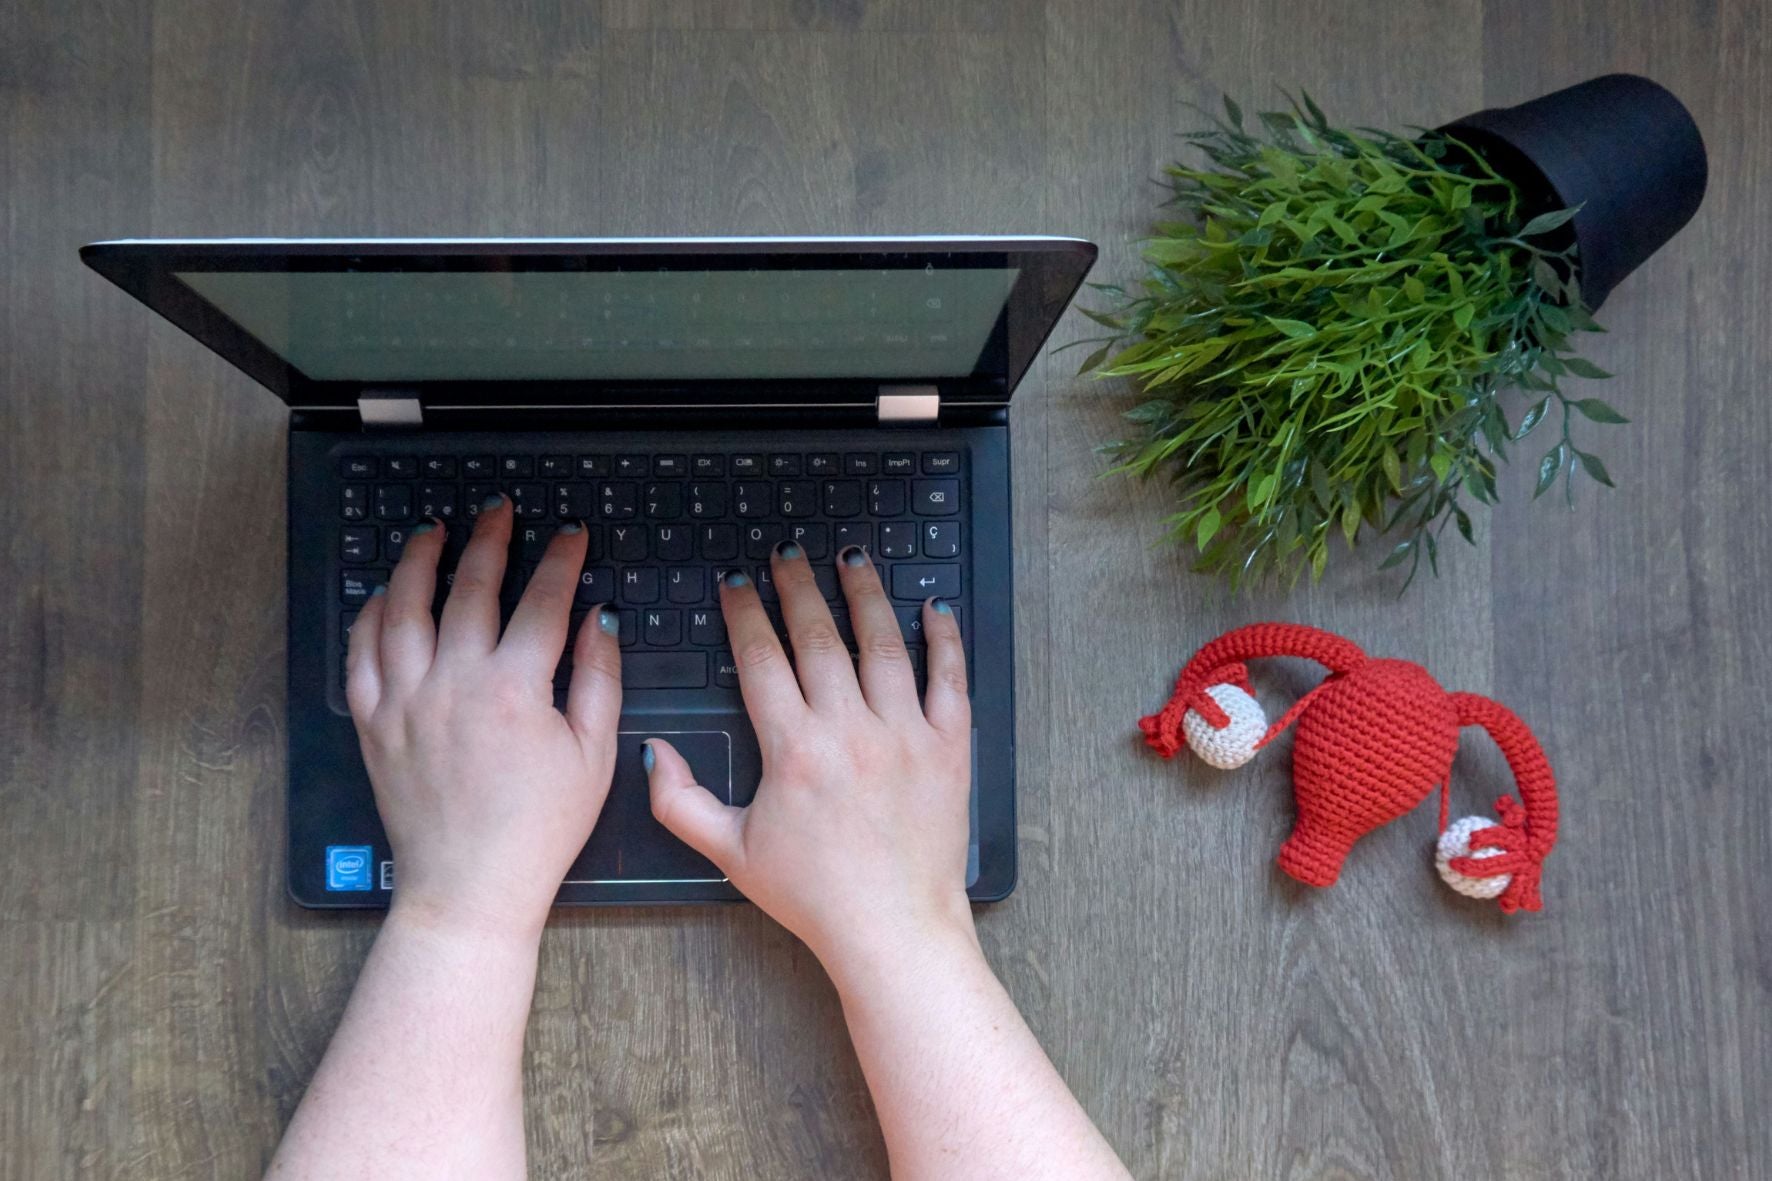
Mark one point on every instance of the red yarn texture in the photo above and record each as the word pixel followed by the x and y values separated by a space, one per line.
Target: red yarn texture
pixel 1374 740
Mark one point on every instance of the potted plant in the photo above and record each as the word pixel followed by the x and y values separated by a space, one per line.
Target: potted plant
pixel 1346 330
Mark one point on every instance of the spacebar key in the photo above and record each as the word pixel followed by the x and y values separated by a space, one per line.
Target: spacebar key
pixel 664 670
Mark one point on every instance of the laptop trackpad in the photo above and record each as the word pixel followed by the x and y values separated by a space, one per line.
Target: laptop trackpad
pixel 628 845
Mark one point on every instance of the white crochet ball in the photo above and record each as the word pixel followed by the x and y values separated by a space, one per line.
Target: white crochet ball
pixel 1456 842
pixel 1231 747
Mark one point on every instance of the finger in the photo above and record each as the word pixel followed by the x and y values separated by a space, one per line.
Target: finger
pixel 536 634
pixel 363 659
pixel 690 811
pixel 408 634
pixel 470 615
pixel 886 677
pixel 945 701
pixel 821 658
pixel 771 694
pixel 593 703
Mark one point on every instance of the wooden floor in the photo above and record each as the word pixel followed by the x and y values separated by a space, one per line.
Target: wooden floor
pixel 162 1003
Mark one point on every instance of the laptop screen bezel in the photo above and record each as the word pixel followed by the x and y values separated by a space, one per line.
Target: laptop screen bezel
pixel 1048 273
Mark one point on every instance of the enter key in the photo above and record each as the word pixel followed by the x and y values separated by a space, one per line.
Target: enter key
pixel 920 582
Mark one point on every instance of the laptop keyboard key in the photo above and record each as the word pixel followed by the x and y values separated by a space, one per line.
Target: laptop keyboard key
pixel 530 500
pixel 898 539
pixel 480 467
pixel 784 465
pixel 627 543
pixel 842 498
pixel 593 467
pixel 941 539
pixel 751 501
pixel 664 670
pixel 596 584
pixel 355 586
pixel 632 467
pixel 707 627
pixel 354 502
pixel 664 502
pixel 935 498
pixel 813 538
pixel 856 464
pixel 747 465
pixel 574 502
pixel 639 585
pixel 725 671
pixel 662 627
pixel 671 543
pixel 759 540
pixel 393 502
pixel 941 463
pixel 848 533
pixel 825 464
pixel 798 498
pixel 517 467
pixel 899 463
pixel 719 543
pixel 670 465
pixel 707 500
pixel 357 467
pixel 704 467
pixel 395 542
pixel 556 467
pixel 686 584
pixel 618 501
pixel 921 581
pixel 357 544
pixel 438 467
pixel 400 467
pixel 886 497
pixel 437 500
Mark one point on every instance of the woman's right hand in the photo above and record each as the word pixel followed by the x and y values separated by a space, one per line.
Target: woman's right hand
pixel 856 840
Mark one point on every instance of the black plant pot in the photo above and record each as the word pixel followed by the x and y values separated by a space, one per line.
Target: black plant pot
pixel 1621 147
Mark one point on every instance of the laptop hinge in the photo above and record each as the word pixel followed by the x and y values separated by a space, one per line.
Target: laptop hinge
pixel 390 408
pixel 909 403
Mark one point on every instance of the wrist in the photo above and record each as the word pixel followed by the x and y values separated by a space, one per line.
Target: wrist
pixel 462 921
pixel 901 947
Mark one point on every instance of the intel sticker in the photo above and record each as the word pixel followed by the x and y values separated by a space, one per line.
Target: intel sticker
pixel 347 867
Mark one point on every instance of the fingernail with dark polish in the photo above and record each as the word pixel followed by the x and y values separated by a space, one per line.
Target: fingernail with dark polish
pixel 735 579
pixel 423 527
pixel 788 550
pixel 492 502
pixel 853 556
pixel 572 527
pixel 609 621
pixel 381 588
pixel 942 608
pixel 646 756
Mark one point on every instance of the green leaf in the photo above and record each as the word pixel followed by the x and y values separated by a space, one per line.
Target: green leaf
pixel 1581 368
pixel 1461 315
pixel 1463 520
pixel 1393 470
pixel 1207 528
pixel 1095 358
pixel 1546 222
pixel 1402 551
pixel 1105 321
pixel 1350 521
pixel 1414 289
pixel 1441 463
pixel 1532 418
pixel 1548 467
pixel 1234 111
pixel 1598 411
pixel 1258 492
pixel 1593 467
pixel 1295 329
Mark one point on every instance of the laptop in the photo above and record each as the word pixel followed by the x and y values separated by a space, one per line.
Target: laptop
pixel 694 401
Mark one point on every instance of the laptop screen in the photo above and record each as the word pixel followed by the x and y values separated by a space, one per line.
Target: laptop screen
pixel 485 323
pixel 622 325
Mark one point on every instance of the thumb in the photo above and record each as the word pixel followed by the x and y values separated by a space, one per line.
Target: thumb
pixel 688 809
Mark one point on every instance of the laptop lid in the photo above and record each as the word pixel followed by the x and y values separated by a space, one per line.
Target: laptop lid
pixel 529 323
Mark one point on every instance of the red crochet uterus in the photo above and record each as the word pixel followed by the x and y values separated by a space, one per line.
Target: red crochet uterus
pixel 1370 746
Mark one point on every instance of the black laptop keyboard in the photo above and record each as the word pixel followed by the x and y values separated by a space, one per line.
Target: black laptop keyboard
pixel 664 527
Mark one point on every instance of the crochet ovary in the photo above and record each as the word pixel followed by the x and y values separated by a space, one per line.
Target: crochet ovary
pixel 1374 740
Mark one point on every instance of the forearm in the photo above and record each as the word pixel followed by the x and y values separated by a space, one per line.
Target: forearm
pixel 424 1075
pixel 961 1087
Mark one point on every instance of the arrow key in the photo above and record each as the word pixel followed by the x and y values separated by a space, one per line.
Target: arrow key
pixel 919 582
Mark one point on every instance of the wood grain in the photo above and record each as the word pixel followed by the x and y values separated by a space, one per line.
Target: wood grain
pixel 161 1002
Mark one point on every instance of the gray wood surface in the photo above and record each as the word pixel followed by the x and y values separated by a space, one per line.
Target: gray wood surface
pixel 162 1003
